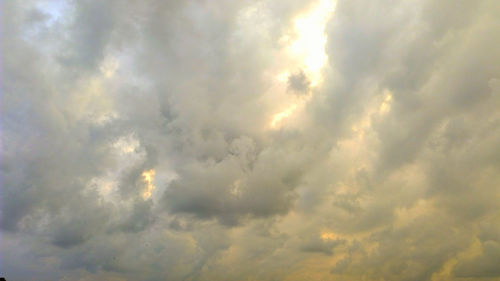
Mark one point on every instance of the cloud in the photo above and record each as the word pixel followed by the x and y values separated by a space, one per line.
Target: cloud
pixel 158 140
pixel 298 82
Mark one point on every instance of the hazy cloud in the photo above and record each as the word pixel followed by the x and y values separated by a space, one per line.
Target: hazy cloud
pixel 250 140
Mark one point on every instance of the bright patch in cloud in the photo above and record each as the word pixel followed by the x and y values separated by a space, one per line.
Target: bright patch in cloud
pixel 307 52
pixel 309 47
pixel 278 117
pixel 148 178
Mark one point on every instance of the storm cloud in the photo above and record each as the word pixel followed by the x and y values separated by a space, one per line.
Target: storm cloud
pixel 250 140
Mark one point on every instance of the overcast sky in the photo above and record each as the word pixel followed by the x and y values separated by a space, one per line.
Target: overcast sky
pixel 268 140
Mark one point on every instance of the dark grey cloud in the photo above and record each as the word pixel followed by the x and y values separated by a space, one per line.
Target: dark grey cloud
pixel 299 82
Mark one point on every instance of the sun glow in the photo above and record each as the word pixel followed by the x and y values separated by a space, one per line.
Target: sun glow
pixel 148 177
pixel 310 42
pixel 307 52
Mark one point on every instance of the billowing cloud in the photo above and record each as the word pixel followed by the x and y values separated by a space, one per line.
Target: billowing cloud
pixel 250 140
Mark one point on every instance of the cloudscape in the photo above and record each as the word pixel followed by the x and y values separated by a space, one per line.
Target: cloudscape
pixel 263 140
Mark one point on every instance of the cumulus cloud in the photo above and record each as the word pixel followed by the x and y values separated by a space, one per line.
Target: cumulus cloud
pixel 250 140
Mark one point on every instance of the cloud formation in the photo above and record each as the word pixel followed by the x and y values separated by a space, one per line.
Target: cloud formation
pixel 250 140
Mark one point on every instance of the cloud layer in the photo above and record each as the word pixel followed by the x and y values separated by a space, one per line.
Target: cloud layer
pixel 250 140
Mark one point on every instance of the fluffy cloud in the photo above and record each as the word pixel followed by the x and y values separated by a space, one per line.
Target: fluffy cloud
pixel 250 140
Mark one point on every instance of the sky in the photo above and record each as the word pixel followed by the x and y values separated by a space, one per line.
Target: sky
pixel 263 140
